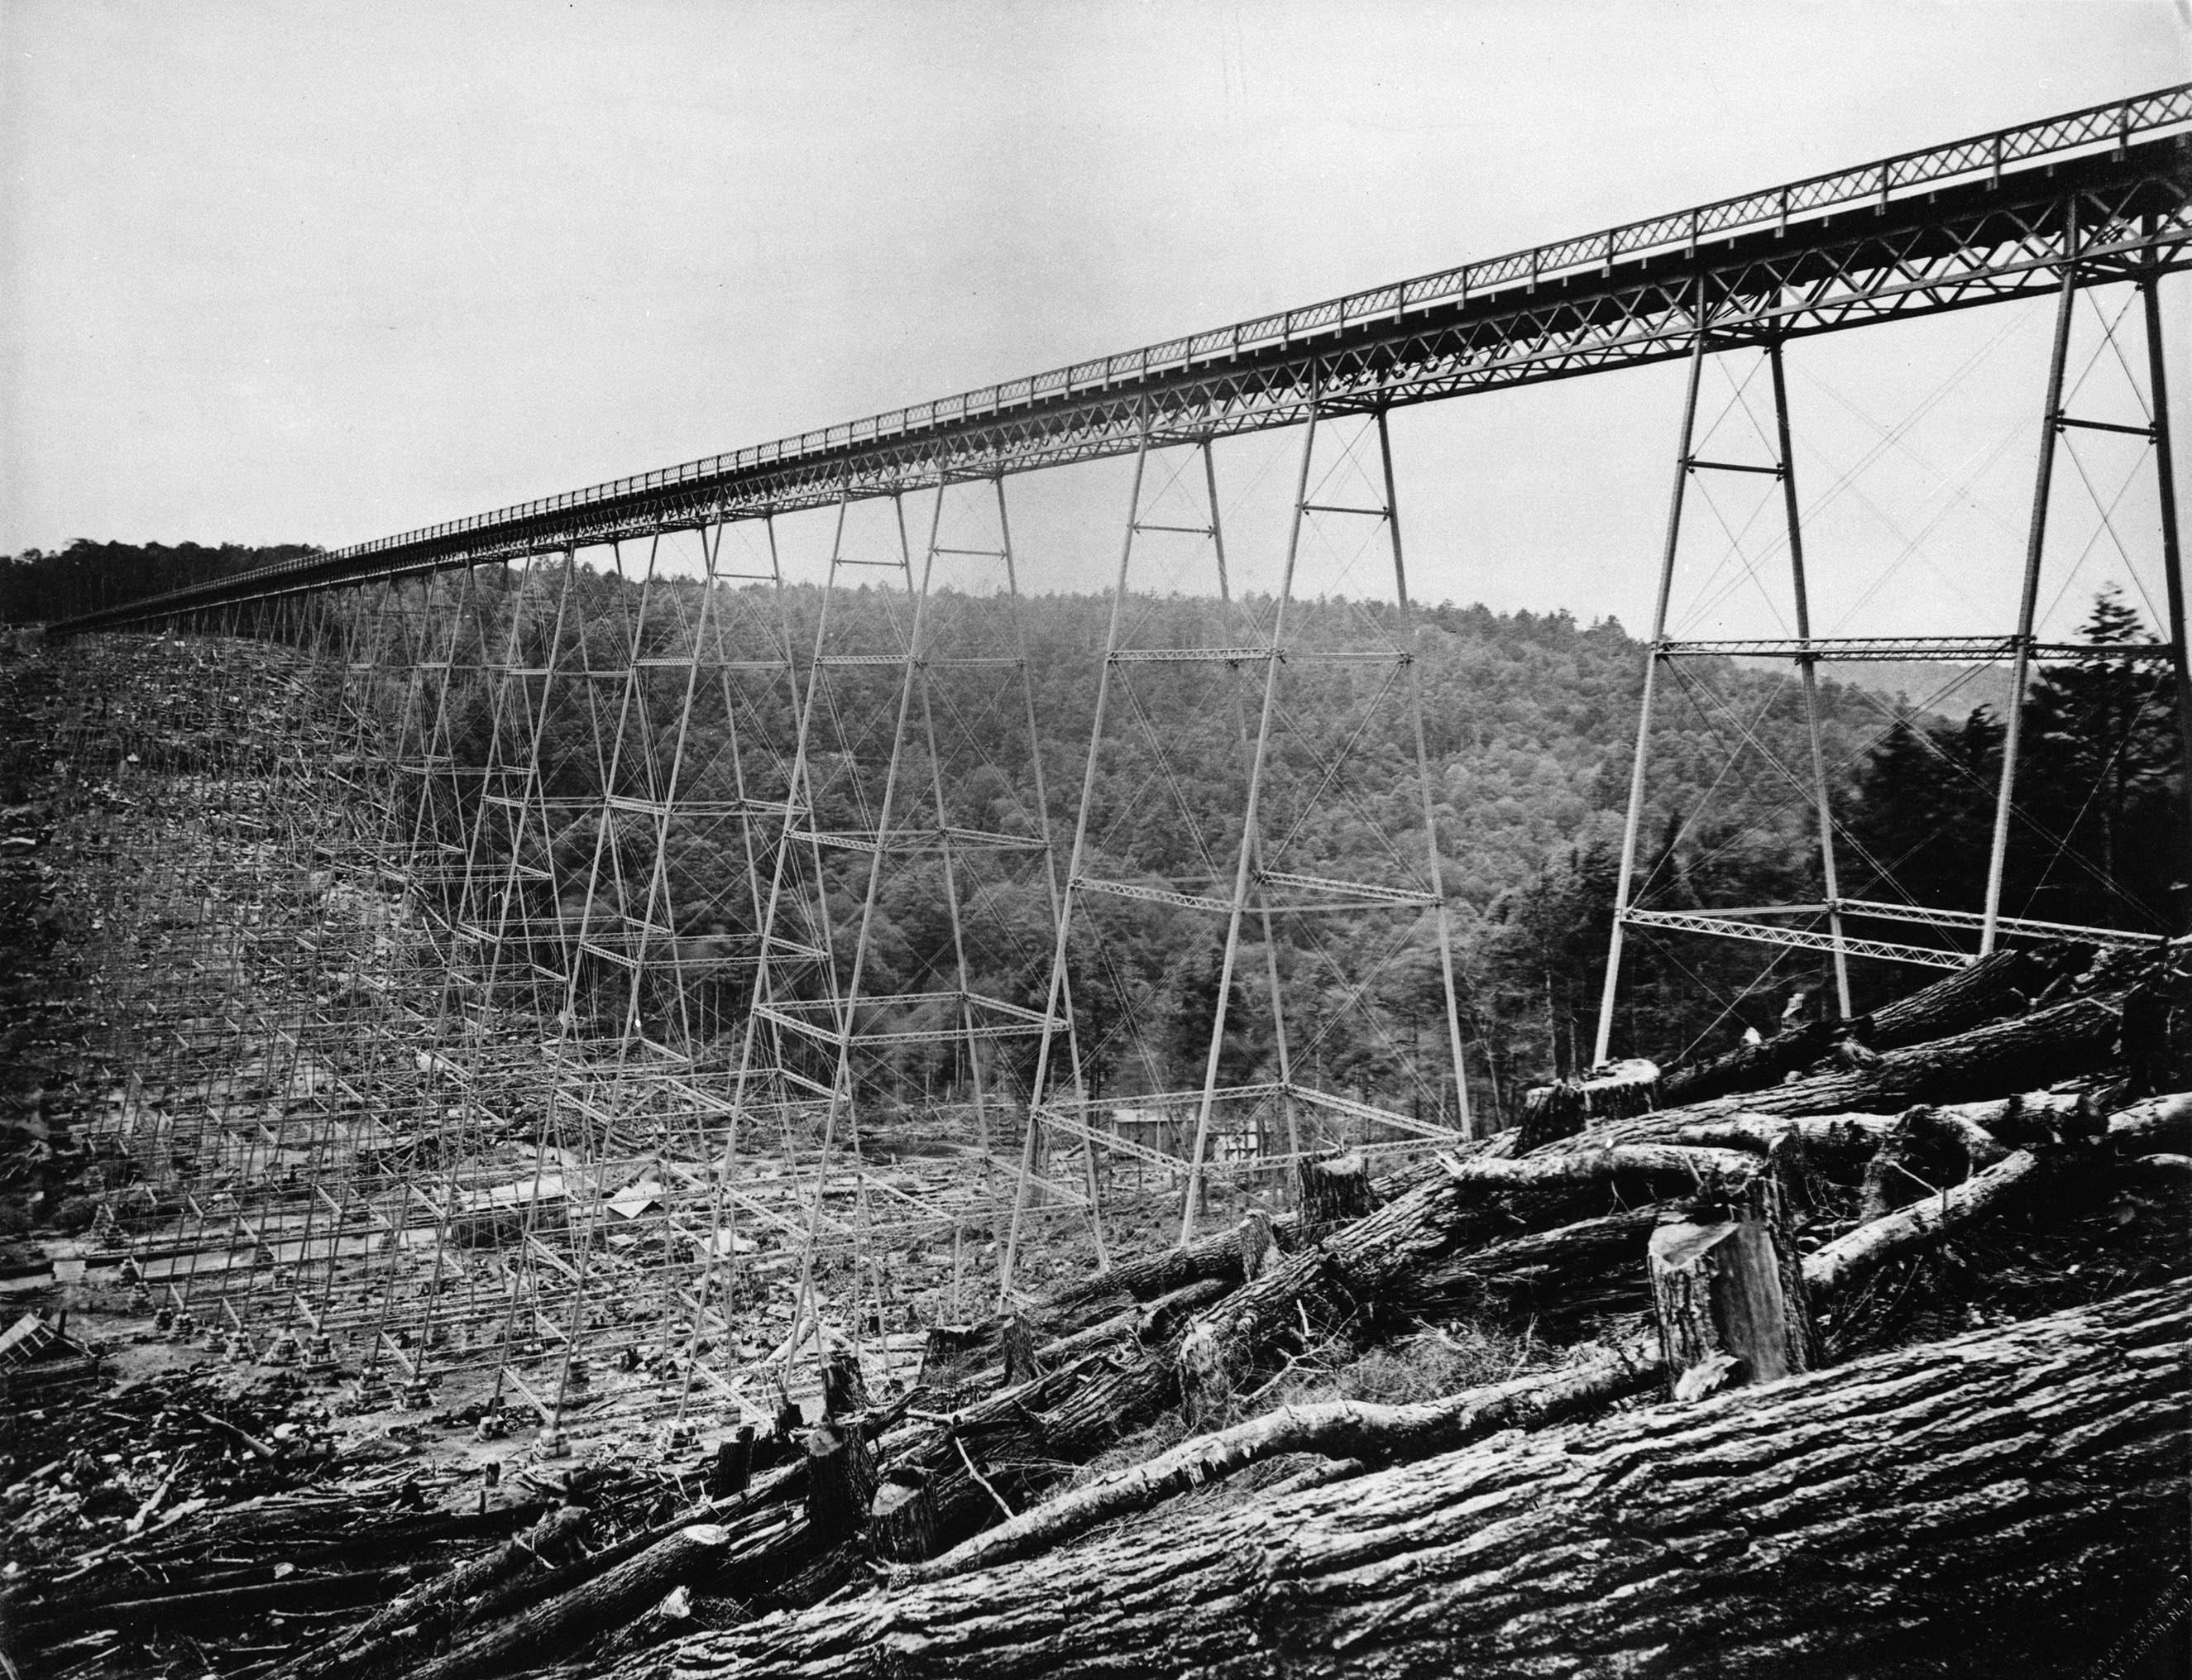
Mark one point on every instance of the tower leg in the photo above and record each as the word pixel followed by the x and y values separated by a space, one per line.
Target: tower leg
pixel 2028 602
pixel 2173 557
pixel 1807 669
pixel 1626 878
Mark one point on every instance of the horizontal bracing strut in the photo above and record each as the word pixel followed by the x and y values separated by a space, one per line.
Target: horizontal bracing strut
pixel 1982 220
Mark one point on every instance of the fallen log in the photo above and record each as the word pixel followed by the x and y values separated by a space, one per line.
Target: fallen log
pixel 1021 1438
pixel 1918 1157
pixel 2158 1125
pixel 1703 1170
pixel 1732 1123
pixel 2000 985
pixel 670 1619
pixel 2008 1497
pixel 608 1601
pixel 1152 1322
pixel 1750 1066
pixel 418 1620
pixel 1216 1257
pixel 1572 1272
pixel 2004 983
pixel 2038 1049
pixel 1340 1428
pixel 177 1612
pixel 1848 1258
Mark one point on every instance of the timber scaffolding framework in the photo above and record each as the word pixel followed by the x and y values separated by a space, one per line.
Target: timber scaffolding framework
pixel 494 915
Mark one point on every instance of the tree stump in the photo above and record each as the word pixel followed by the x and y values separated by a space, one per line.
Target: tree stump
pixel 1018 1339
pixel 1333 1190
pixel 844 1386
pixel 1616 1091
pixel 953 1353
pixel 1728 1291
pixel 902 1517
pixel 1259 1246
pixel 840 1481
pixel 734 1466
pixel 1206 1377
pixel 1548 1112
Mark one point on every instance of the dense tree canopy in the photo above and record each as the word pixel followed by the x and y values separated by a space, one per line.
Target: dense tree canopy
pixel 36 587
pixel 1527 727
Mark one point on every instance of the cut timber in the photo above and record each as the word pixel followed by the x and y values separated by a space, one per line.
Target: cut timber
pixel 414 1622
pixel 2158 1125
pixel 1215 1258
pixel 1990 1062
pixel 1151 1323
pixel 1705 1171
pixel 1572 1272
pixel 840 1481
pixel 215 1606
pixel 1611 1093
pixel 608 1601
pixel 2009 1500
pixel 2039 1048
pixel 1027 1435
pixel 1989 1129
pixel 2003 984
pixel 669 1620
pixel 1728 1289
pixel 1749 1067
pixel 1334 1189
pixel 1353 1430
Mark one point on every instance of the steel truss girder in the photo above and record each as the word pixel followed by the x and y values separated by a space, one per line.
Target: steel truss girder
pixel 1985 238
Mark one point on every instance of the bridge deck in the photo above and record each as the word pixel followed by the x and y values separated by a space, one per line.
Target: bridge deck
pixel 1980 220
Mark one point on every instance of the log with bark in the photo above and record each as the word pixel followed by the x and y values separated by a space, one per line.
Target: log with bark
pixel 2005 983
pixel 1355 1430
pixel 2009 1500
pixel 1750 1066
pixel 1841 1263
pixel 1566 1105
pixel 414 1623
pixel 607 1602
pixel 1990 1128
pixel 1015 1445
pixel 2002 984
pixel 2073 1037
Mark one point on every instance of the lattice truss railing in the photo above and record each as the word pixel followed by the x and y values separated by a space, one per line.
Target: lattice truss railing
pixel 1973 222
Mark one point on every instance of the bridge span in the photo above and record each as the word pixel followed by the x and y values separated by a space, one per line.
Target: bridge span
pixel 615 981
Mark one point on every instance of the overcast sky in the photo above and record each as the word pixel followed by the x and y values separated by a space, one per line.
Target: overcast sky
pixel 321 272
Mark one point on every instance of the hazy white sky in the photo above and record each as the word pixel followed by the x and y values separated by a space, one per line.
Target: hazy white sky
pixel 322 271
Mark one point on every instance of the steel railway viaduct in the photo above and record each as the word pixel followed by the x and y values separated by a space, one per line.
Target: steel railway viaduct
pixel 653 1108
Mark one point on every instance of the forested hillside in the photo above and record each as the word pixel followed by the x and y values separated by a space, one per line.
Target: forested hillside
pixel 1528 730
